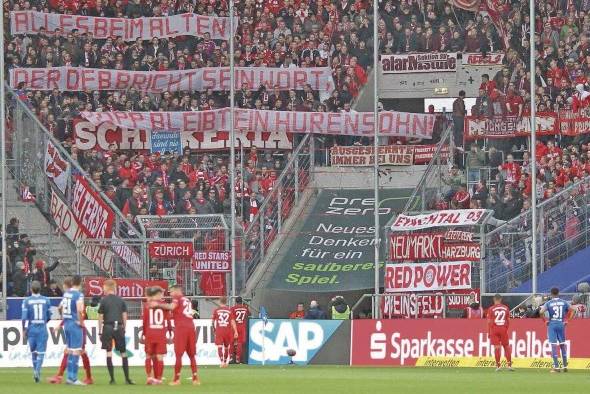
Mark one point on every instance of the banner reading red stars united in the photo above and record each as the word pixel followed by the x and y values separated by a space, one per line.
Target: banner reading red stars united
pixel 402 124
pixel 33 22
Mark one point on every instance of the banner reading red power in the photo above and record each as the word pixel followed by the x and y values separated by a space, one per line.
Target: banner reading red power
pixel 171 250
pixel 407 278
pixel 402 342
pixel 212 261
pixel 94 216
pixel 134 288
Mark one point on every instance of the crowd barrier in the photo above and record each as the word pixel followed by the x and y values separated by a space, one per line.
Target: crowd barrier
pixel 396 342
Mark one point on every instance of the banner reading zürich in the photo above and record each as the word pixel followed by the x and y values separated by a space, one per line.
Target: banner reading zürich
pixel 335 247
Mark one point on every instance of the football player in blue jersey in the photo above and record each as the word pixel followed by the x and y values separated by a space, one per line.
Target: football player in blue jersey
pixel 35 315
pixel 72 309
pixel 557 312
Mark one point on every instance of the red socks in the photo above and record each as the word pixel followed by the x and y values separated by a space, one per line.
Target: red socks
pixel 86 364
pixel 194 365
pixel 220 354
pixel 497 355
pixel 148 366
pixel 62 366
pixel 508 354
pixel 227 350
pixel 177 367
pixel 158 368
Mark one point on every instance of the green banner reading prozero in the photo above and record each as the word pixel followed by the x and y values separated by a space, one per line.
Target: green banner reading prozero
pixel 334 250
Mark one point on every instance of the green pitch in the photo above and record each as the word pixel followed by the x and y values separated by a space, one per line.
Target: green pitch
pixel 320 379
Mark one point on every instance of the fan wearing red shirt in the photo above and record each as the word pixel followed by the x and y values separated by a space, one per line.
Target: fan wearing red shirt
pixel 241 314
pixel 511 170
pixel 156 323
pixel 224 326
pixel 498 323
pixel 185 340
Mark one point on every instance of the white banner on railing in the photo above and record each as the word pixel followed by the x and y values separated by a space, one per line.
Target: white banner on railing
pixel 56 168
pixel 130 29
pixel 201 79
pixel 410 277
pixel 15 351
pixel 434 62
pixel 445 218
pixel 402 124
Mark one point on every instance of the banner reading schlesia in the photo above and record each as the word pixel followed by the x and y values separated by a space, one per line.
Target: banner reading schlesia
pixel 201 79
pixel 130 29
pixel 403 124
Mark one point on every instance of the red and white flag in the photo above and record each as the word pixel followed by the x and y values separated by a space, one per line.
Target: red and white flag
pixel 26 195
pixel 491 8
pixel 469 5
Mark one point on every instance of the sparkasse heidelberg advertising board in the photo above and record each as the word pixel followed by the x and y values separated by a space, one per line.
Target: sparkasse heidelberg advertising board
pixel 402 342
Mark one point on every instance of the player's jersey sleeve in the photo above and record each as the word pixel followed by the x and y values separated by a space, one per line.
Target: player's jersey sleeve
pixel 214 318
pixel 47 309
pixel 25 311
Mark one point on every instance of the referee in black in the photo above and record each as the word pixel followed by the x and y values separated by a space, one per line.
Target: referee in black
pixel 112 319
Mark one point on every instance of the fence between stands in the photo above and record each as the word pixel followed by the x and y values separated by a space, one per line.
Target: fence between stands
pixel 267 224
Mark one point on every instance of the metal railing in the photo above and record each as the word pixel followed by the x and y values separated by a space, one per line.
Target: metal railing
pixel 431 185
pixel 262 229
pixel 563 229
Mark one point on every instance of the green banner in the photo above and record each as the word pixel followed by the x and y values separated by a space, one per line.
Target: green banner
pixel 335 248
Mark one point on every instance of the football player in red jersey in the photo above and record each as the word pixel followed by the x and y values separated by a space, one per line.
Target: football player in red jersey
pixel 185 340
pixel 224 324
pixel 498 323
pixel 241 314
pixel 156 323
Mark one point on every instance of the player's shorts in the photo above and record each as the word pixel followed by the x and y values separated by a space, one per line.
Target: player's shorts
pixel 110 334
pixel 37 338
pixel 74 335
pixel 499 336
pixel 556 333
pixel 224 338
pixel 153 347
pixel 185 340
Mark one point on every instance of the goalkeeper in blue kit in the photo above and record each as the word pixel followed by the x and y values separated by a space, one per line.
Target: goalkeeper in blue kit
pixel 35 315
pixel 557 311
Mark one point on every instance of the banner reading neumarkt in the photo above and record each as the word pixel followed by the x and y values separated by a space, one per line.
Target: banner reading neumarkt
pixel 334 250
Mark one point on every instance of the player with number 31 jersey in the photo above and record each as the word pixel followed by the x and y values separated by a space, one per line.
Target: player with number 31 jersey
pixel 558 312
pixel 498 324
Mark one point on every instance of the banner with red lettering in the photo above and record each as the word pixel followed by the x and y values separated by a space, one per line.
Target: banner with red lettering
pixel 451 217
pixel 403 124
pixel 126 288
pixel 419 63
pixel 93 214
pixel 403 341
pixel 357 155
pixel 212 261
pixel 88 136
pixel 479 59
pixel 171 250
pixel 410 277
pixel 56 168
pixel 130 29
pixel 201 79
pixel 509 126
pixel 431 246
pixel 426 305
pixel 424 153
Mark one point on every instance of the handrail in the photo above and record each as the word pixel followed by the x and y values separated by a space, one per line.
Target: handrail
pixel 65 154
pixel 279 181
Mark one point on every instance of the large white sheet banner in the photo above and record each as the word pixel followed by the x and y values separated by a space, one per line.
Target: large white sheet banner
pixel 15 351
pixel 444 218
pixel 130 29
pixel 403 124
pixel 201 79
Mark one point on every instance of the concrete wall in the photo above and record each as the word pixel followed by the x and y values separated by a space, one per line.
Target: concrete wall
pixel 362 177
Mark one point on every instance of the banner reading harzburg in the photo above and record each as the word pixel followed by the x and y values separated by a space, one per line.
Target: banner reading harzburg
pixel 201 79
pixel 34 22
pixel 404 124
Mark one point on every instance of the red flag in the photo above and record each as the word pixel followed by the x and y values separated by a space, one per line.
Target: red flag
pixel 493 10
pixel 469 5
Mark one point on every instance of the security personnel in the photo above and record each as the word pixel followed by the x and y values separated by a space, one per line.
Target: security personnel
pixel 92 309
pixel 340 309
pixel 112 319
